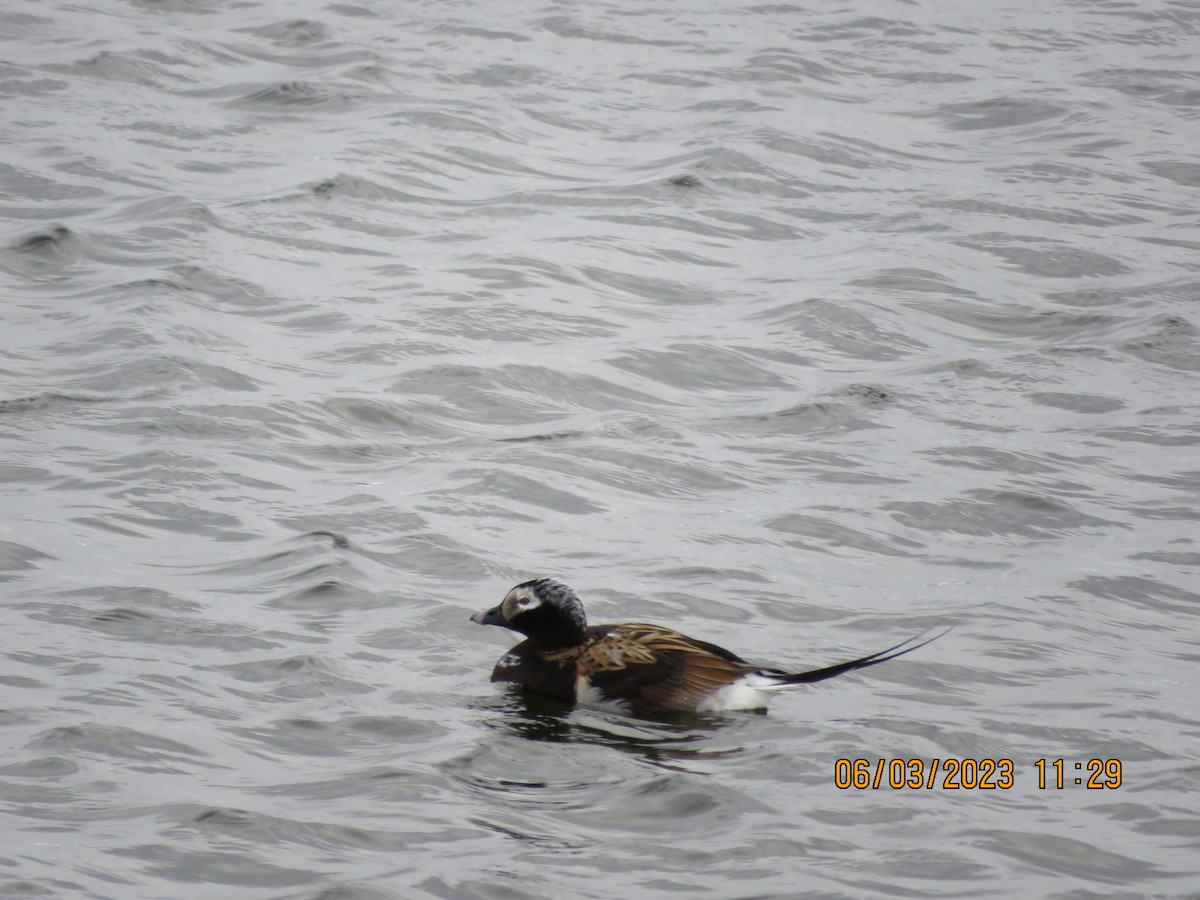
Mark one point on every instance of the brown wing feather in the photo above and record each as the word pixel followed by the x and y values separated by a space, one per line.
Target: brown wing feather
pixel 656 669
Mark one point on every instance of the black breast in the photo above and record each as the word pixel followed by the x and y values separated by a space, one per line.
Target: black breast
pixel 523 665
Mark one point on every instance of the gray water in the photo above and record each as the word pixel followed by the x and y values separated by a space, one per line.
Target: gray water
pixel 801 328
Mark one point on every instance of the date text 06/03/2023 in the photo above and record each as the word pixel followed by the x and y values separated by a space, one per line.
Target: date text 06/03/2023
pixel 973 774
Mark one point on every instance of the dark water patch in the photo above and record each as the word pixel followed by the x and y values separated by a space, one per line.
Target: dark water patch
pixel 234 294
pixel 822 466
pixel 1157 85
pixel 122 743
pixel 292 678
pixel 516 271
pixel 916 281
pixel 1090 404
pixel 293 32
pixel 821 417
pixel 871 395
pixel 179 865
pixel 48 887
pixel 510 395
pixel 287 669
pixel 457 123
pixel 993 459
pixel 148 517
pixel 388 784
pixel 983 513
pixel 638 472
pixel 46 197
pixel 349 892
pixel 1048 325
pixel 845 330
pixel 57 250
pixel 48 402
pixel 148 377
pixel 16 558
pixel 1172 343
pixel 699 367
pixel 1046 258
pixel 142 68
pixel 539 777
pixel 827 536
pixel 356 188
pixel 502 74
pixel 20 681
pixel 293 97
pixel 329 594
pixel 1169 557
pixel 500 320
pixel 398 559
pixel 1185 174
pixel 1057 855
pixel 241 423
pixel 1164 512
pixel 44 252
pixel 541 438
pixel 1143 591
pixel 624 287
pixel 480 510
pixel 1121 297
pixel 682 803
pixel 53 767
pixel 1164 434
pixel 995 114
pixel 263 830
pixel 528 491
pixel 307 556
pixel 1073 216
pixel 571 27
pixel 145 626
pixel 167 470
pixel 150 600
pixel 326 542
pixel 367 415
pixel 700 574
pixel 782 65
pixel 160 220
pixel 334 738
pixel 727 169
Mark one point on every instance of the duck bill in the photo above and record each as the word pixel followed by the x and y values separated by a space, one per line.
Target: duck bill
pixel 490 617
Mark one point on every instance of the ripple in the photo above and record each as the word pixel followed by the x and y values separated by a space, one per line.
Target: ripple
pixel 139 748
pixel 289 96
pixel 981 513
pixel 1066 856
pixel 998 112
pixel 16 557
pixel 698 366
pixel 320 332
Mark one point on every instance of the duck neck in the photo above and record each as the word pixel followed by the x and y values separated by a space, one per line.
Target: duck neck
pixel 562 635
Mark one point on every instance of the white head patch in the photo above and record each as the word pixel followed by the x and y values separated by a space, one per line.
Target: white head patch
pixel 519 600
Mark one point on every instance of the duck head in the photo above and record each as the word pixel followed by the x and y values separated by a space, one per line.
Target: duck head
pixel 544 610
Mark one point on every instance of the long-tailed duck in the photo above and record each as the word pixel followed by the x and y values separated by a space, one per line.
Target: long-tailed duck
pixel 637 668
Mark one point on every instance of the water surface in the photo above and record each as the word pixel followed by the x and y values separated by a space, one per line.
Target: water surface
pixel 800 328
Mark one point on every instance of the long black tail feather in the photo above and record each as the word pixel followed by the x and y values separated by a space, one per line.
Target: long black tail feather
pixel 861 663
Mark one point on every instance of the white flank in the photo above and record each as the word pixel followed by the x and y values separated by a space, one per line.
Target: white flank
pixel 748 692
pixel 586 695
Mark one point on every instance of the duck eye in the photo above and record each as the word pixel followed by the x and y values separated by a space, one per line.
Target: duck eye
pixel 523 602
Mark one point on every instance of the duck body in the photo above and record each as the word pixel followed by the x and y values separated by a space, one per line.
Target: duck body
pixel 635 668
